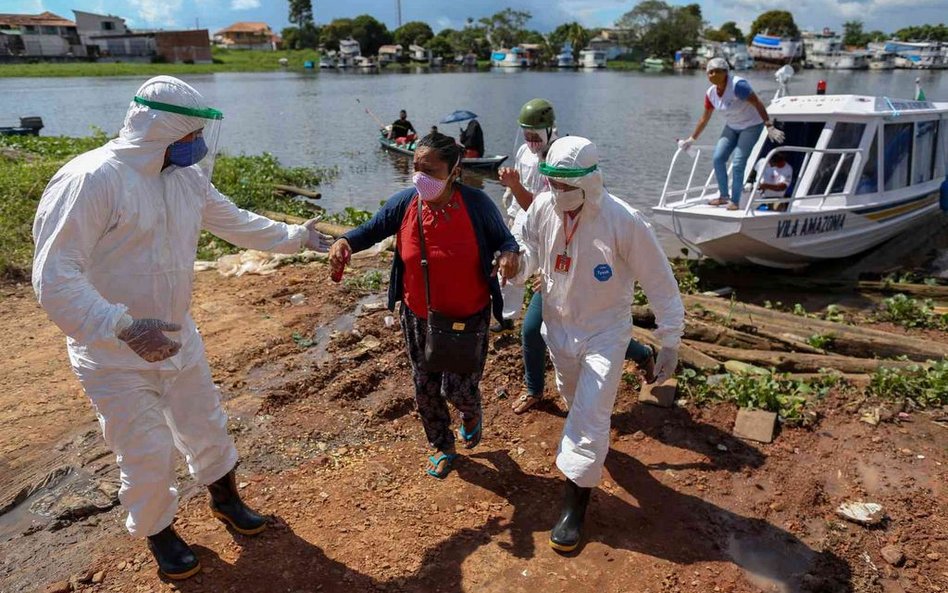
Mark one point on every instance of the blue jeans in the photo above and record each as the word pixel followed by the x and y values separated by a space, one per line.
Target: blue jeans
pixel 534 348
pixel 740 143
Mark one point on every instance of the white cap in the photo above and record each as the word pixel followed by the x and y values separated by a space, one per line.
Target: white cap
pixel 717 64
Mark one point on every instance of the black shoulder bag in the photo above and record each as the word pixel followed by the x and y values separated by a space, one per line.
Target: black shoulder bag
pixel 451 344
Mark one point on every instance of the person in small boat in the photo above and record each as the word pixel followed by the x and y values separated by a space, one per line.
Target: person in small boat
pixel 472 139
pixel 774 179
pixel 590 248
pixel 524 182
pixel 463 229
pixel 401 128
pixel 745 117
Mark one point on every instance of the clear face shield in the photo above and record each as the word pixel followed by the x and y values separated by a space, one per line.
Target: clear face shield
pixel 199 147
pixel 537 142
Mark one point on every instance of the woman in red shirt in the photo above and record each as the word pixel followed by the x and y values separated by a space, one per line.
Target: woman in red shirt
pixel 462 230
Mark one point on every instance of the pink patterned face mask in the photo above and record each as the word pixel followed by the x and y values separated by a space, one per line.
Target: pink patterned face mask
pixel 428 187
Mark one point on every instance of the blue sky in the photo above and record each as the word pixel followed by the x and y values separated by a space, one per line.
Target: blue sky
pixel 887 15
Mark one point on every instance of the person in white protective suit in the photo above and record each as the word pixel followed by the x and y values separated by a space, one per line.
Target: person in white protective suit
pixel 116 234
pixel 590 248
pixel 523 181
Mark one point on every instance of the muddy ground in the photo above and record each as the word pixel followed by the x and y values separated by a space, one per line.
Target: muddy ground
pixel 333 450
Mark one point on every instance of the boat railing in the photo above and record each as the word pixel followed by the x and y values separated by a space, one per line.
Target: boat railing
pixel 691 194
pixel 698 193
pixel 799 194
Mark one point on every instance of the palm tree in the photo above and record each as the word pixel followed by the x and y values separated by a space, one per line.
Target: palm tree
pixel 578 37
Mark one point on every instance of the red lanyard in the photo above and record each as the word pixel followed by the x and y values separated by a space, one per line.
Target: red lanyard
pixel 568 234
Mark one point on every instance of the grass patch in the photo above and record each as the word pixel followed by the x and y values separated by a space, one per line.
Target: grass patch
pixel 789 398
pixel 224 60
pixel 912 313
pixel 28 162
pixel 369 282
pixel 926 388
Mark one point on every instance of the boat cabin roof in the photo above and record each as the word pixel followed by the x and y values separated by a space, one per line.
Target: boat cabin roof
pixel 850 105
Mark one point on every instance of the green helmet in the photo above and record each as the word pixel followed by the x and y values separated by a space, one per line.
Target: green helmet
pixel 537 114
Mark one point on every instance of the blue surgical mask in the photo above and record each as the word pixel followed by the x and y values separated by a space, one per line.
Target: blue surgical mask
pixel 185 154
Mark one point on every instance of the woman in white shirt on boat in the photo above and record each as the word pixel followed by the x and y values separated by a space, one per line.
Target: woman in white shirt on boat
pixel 745 117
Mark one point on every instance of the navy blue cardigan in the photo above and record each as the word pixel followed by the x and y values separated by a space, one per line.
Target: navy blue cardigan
pixel 489 229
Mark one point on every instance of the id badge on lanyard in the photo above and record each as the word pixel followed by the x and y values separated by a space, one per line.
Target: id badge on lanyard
pixel 563 260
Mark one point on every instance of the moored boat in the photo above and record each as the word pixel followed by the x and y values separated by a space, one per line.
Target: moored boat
pixel 772 48
pixel 29 126
pixel 864 170
pixel 408 149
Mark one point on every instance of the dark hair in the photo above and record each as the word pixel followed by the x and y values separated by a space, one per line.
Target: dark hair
pixel 443 146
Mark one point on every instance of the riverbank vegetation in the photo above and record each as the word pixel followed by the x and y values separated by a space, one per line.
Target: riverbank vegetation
pixel 225 60
pixel 28 162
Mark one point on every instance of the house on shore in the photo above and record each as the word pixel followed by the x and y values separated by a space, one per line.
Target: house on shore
pixel 39 35
pixel 247 35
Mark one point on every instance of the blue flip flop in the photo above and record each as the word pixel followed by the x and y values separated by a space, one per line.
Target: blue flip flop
pixel 448 458
pixel 473 438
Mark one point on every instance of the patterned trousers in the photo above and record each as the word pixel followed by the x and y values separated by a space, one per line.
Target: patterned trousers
pixel 434 390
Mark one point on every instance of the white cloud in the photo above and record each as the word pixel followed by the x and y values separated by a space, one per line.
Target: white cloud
pixel 244 4
pixel 157 13
pixel 31 7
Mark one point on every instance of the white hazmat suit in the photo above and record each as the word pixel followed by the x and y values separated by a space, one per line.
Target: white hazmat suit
pixel 587 311
pixel 527 166
pixel 117 233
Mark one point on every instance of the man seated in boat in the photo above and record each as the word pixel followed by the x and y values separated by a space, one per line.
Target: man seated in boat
pixel 774 178
pixel 472 139
pixel 402 131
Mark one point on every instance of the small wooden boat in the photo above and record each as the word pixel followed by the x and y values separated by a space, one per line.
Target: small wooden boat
pixel 29 126
pixel 487 162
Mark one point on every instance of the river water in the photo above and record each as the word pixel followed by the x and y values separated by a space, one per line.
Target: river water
pixel 319 118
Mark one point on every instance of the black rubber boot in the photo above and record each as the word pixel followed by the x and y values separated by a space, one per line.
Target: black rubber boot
pixel 227 506
pixel 176 559
pixel 569 529
pixel 502 326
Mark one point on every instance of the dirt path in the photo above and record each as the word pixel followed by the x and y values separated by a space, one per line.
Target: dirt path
pixel 333 450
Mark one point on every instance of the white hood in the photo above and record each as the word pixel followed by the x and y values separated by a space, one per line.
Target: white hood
pixel 575 152
pixel 148 132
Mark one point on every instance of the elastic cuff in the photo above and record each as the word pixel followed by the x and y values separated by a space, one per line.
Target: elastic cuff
pixel 123 323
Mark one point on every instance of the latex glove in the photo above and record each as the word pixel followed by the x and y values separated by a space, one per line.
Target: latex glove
pixel 775 135
pixel 317 241
pixel 685 144
pixel 665 364
pixel 146 338
pixel 508 177
pixel 508 264
pixel 339 255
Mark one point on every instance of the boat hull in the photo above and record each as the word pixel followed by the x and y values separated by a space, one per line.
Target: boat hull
pixel 794 239
pixel 491 162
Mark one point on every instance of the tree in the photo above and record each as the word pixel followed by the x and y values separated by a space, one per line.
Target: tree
pixel 734 32
pixel 414 32
pixel 370 33
pixel 335 31
pixel 441 46
pixel 775 22
pixel 301 12
pixel 505 28
pixel 852 33
pixel 291 37
pixel 923 33
pixel 660 29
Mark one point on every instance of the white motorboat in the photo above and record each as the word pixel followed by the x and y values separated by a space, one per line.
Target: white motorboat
pixel 326 62
pixel 864 170
pixel 771 48
pixel 881 60
pixel 565 58
pixel 826 51
pixel 923 55
pixel 508 58
pixel 349 50
pixel 592 58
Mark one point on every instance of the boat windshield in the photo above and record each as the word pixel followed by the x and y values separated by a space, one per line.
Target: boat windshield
pixel 798 133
